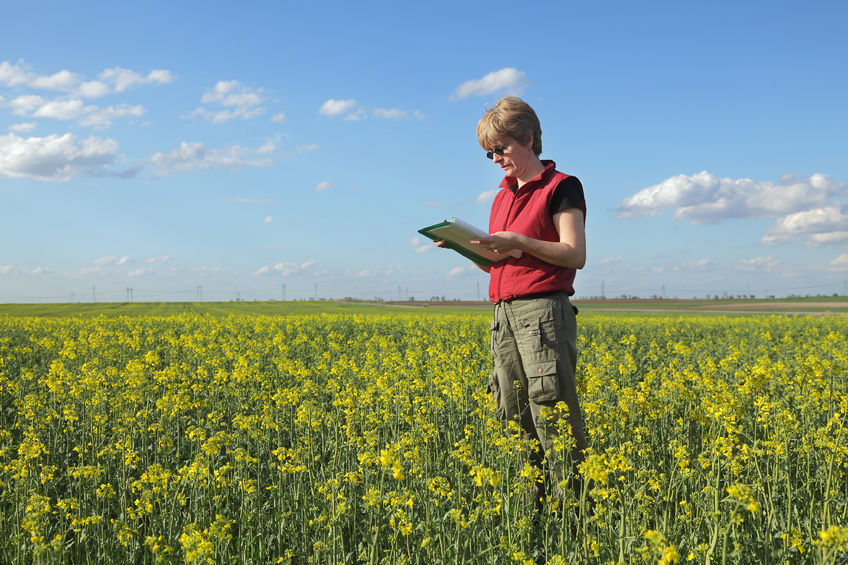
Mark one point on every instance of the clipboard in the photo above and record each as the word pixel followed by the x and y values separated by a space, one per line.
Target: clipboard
pixel 458 235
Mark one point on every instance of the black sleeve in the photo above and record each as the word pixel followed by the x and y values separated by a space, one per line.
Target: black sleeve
pixel 568 194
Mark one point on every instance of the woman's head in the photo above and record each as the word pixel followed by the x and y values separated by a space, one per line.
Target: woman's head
pixel 510 118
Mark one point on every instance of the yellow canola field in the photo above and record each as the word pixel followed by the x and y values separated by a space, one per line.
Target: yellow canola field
pixel 371 439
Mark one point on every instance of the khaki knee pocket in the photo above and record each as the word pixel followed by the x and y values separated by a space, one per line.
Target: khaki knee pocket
pixel 542 381
pixel 494 388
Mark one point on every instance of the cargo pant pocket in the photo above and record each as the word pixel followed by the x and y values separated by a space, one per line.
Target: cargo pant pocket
pixel 494 388
pixel 542 382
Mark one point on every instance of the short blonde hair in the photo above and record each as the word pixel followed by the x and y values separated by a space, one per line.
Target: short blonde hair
pixel 511 117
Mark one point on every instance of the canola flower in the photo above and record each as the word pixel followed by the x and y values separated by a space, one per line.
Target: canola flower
pixel 370 439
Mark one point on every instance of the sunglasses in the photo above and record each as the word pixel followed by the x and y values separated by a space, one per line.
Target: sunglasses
pixel 498 150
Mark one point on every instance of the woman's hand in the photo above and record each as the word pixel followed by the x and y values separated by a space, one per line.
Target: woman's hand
pixel 499 242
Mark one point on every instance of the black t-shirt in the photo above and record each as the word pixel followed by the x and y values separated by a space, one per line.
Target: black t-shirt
pixel 568 194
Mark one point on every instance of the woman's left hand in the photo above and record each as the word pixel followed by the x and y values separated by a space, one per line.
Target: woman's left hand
pixel 499 242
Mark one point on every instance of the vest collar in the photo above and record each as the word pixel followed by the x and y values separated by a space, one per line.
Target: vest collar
pixel 512 183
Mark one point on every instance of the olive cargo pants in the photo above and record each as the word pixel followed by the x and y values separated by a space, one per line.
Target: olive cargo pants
pixel 534 346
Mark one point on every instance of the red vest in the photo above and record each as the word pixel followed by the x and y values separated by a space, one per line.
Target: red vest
pixel 527 210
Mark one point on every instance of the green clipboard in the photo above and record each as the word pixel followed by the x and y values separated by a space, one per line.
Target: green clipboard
pixel 458 235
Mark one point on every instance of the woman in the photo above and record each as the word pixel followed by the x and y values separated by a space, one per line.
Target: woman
pixel 541 212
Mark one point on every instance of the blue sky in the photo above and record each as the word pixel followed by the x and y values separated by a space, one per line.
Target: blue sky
pixel 273 150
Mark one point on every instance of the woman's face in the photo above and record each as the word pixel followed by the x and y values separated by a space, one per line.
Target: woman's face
pixel 515 158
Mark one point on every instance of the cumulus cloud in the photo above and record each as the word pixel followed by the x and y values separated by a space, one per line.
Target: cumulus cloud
pixel 23 127
pixel 197 156
pixel 508 80
pixel 239 101
pixel 284 269
pixel 808 209
pixel 704 198
pixel 158 260
pixel 322 186
pixel 335 107
pixel 6 269
pixel 609 260
pixel 268 219
pixel 110 81
pixel 72 109
pixel 55 157
pixel 815 227
pixel 122 79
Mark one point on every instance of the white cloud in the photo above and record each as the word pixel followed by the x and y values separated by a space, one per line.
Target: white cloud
pixel 510 80
pixel 62 80
pixel 419 246
pixel 699 265
pixel 100 118
pixel 758 264
pixel 158 260
pixel 121 79
pixel 197 156
pixel 239 101
pixel 457 271
pixel 20 75
pixel 6 269
pixel 92 89
pixel 268 219
pixel 36 271
pixel 397 114
pixel 116 79
pixel 815 227
pixel 55 157
pixel 839 264
pixel 322 186
pixel 609 260
pixel 335 107
pixel 12 75
pixel 139 272
pixel 305 148
pixel 22 127
pixel 704 198
pixel 284 269
pixel 72 109
pixel 112 260
pixel 279 118
pixel 26 104
pixel 487 196
pixel 231 93
pixel 60 109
